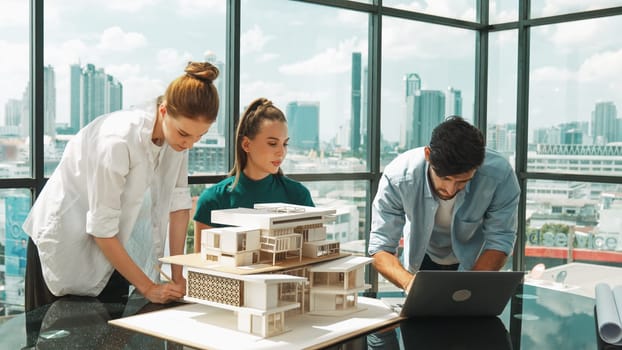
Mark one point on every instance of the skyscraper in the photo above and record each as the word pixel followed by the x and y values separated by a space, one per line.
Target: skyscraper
pixel 355 118
pixel 604 123
pixel 425 109
pixel 303 119
pixel 49 101
pixel 75 72
pixel 13 112
pixel 454 102
pixel 93 93
pixel 219 128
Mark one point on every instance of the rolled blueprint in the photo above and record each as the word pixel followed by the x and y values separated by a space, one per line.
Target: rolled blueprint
pixel 609 315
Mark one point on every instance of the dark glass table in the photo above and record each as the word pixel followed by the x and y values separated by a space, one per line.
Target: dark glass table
pixel 535 318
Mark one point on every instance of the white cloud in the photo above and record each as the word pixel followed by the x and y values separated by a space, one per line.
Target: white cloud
pixel 603 66
pixel 551 74
pixel 171 60
pixel 461 9
pixel 600 68
pixel 499 15
pixel 330 61
pixel 354 19
pixel 279 93
pixel 140 90
pixel 15 13
pixel 14 71
pixel 199 7
pixel 556 7
pixel 115 39
pixel 253 40
pixel 402 39
pixel 132 6
pixel 267 57
pixel 69 52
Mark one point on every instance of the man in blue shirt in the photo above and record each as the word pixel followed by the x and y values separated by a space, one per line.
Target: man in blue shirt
pixel 453 201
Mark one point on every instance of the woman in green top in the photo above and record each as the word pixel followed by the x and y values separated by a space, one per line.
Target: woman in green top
pixel 260 148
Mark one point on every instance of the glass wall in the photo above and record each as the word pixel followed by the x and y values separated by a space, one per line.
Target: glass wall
pixel 320 85
pixel 555 7
pixel 428 73
pixel 123 55
pixel 356 95
pixel 15 95
pixel 460 9
pixel 14 206
pixel 573 221
pixel 501 97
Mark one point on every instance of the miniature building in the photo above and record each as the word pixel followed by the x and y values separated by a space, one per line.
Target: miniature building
pixel 273 232
pixel 231 246
pixel 334 285
pixel 287 230
pixel 260 301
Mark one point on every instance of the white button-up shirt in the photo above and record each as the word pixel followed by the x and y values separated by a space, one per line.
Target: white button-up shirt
pixel 98 189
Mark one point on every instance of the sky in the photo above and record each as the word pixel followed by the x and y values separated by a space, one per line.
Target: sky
pixel 292 51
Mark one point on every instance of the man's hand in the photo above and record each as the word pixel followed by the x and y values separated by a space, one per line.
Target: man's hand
pixel 490 260
pixel 389 266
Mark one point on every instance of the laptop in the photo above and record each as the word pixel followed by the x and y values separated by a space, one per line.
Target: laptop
pixel 460 293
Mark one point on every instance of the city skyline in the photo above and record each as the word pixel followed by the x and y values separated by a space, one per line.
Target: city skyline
pixel 129 52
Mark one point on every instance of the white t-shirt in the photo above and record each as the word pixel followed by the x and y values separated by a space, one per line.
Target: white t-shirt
pixel 439 248
pixel 98 189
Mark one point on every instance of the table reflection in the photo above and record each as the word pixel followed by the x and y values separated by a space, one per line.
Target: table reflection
pixel 82 323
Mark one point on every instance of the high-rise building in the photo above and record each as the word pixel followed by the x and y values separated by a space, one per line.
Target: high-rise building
pixel 364 104
pixel 75 72
pixel 425 109
pixel 13 112
pixel 97 93
pixel 355 118
pixel 604 123
pixel 303 119
pixel 219 128
pixel 454 102
pixel 49 101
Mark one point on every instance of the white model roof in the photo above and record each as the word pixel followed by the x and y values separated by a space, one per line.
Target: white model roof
pixel 348 263
pixel 272 216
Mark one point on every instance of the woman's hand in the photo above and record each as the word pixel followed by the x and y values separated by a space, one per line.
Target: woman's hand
pixel 165 292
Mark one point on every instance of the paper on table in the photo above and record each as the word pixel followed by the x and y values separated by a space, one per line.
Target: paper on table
pixel 609 323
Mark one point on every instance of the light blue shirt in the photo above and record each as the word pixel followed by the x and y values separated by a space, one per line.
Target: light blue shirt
pixel 484 215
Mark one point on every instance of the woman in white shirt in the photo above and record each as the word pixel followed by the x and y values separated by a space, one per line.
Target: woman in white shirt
pixel 101 219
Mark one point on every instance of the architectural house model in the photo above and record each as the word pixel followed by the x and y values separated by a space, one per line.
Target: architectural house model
pixel 334 285
pixel 273 237
pixel 260 301
pixel 286 231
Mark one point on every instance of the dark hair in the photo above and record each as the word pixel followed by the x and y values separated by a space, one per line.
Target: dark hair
pixel 456 147
pixel 193 95
pixel 250 125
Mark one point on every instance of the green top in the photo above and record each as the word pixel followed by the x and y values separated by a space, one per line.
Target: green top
pixel 271 189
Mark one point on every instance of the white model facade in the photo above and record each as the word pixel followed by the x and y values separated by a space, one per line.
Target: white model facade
pixel 285 231
pixel 334 285
pixel 256 299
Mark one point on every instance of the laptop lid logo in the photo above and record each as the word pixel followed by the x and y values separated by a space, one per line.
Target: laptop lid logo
pixel 461 295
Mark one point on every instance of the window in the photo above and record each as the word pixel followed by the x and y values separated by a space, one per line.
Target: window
pixel 573 100
pixel 427 75
pixel 124 57
pixel 15 96
pixel 460 9
pixel 320 85
pixel 580 217
pixel 502 58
